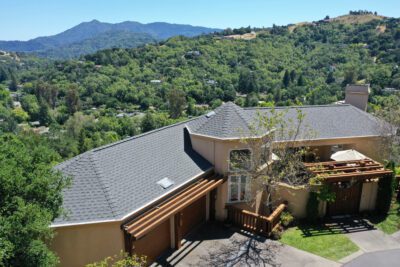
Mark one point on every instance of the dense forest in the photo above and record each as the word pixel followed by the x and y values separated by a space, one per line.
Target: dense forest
pixel 112 94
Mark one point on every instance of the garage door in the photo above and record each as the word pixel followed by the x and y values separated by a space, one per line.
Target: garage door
pixel 154 243
pixel 193 215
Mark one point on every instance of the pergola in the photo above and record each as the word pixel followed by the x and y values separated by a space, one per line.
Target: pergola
pixel 339 171
pixel 173 206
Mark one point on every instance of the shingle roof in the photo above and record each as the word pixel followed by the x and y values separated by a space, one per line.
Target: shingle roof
pixel 325 121
pixel 329 121
pixel 229 121
pixel 112 181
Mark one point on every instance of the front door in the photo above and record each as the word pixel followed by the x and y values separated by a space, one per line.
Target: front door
pixel 347 199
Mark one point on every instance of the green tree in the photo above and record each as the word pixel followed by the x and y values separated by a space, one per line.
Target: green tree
pixel 72 100
pixel 177 102
pixel 331 78
pixel 286 79
pixel 3 75
pixel 300 80
pixel 30 200
pixel 13 83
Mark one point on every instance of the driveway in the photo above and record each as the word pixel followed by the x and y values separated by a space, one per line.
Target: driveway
pixel 385 258
pixel 216 245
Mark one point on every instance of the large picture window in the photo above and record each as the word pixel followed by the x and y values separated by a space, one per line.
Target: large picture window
pixel 240 160
pixel 238 188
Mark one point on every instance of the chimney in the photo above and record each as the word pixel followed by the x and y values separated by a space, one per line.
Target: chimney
pixel 357 95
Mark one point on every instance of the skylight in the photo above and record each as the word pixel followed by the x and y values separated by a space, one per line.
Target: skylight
pixel 165 183
pixel 210 114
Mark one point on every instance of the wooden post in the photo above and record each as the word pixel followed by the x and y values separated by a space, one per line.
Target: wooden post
pixel 178 230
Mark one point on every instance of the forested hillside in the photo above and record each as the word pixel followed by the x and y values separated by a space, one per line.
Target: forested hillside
pixel 115 93
pixel 89 37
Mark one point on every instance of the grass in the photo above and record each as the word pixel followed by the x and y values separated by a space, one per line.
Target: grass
pixel 390 223
pixel 320 240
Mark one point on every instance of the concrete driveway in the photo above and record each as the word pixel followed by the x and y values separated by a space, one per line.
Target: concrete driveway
pixel 385 258
pixel 216 245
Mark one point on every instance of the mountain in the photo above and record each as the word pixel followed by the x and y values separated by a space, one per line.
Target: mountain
pixel 91 36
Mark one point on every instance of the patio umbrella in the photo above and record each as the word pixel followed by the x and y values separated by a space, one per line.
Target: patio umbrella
pixel 350 154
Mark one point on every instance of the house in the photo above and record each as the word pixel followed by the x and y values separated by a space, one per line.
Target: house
pixel 145 193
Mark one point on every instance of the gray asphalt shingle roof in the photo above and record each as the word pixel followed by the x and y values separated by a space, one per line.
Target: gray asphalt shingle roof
pixel 112 181
pixel 325 121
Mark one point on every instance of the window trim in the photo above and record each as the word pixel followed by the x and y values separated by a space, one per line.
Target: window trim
pixel 229 160
pixel 239 175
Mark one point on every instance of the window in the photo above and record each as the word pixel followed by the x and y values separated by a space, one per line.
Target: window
pixel 238 188
pixel 240 160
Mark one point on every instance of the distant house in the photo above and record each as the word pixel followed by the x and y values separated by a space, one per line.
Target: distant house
pixel 211 82
pixel 192 54
pixel 34 123
pixel 156 81
pixel 144 194
pixel 16 104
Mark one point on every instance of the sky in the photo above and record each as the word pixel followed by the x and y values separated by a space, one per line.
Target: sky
pixel 27 19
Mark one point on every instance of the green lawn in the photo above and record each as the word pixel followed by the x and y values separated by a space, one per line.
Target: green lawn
pixel 320 240
pixel 391 223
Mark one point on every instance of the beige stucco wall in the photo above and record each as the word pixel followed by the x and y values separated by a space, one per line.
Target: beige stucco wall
pixel 368 196
pixel 369 146
pixel 83 244
pixel 296 197
pixel 216 151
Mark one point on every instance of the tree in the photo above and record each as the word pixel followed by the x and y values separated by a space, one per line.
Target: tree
pixel 270 126
pixel 72 100
pixel 30 200
pixel 293 76
pixel 14 83
pixel 286 79
pixel 300 80
pixel 331 78
pixel 3 75
pixel 177 102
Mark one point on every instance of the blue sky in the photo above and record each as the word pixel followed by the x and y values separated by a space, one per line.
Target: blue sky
pixel 26 19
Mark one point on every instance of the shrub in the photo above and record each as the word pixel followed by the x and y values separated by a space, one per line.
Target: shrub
pixel 312 207
pixel 121 260
pixel 276 234
pixel 286 218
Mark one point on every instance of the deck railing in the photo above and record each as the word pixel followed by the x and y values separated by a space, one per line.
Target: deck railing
pixel 254 222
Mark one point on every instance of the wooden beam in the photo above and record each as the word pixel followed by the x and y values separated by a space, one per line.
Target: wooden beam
pixel 357 176
pixel 171 201
pixel 166 208
pixel 350 168
pixel 177 208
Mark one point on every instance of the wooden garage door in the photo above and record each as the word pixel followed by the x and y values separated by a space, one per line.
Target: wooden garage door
pixel 347 200
pixel 154 243
pixel 193 215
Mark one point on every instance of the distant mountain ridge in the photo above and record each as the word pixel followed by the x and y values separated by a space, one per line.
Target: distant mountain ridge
pixel 81 39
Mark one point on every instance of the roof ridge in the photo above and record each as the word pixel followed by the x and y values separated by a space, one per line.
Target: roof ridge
pixel 100 180
pixel 142 134
pixel 305 106
pixel 238 110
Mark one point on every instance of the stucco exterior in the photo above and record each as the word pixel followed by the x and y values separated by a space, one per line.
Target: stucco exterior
pixel 79 245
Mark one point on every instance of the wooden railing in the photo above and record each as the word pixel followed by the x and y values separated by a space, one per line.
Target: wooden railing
pixel 254 222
